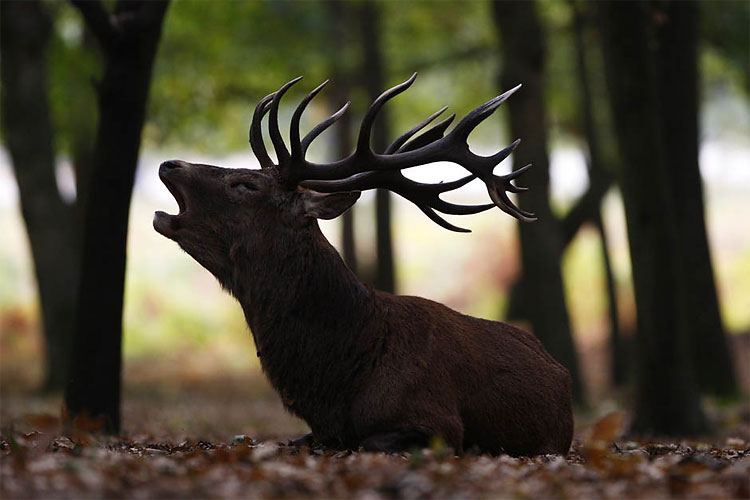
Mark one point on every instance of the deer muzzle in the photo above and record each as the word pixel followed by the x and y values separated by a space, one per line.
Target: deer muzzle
pixel 169 173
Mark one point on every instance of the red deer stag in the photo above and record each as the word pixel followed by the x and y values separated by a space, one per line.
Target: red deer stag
pixel 362 367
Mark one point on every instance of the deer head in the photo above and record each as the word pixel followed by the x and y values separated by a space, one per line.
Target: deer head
pixel 217 203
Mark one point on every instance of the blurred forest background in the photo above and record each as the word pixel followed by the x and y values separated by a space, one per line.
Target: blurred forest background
pixel 635 115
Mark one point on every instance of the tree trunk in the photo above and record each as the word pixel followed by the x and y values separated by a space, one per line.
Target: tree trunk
pixel 541 289
pixel 600 180
pixel 50 222
pixel 339 19
pixel 130 38
pixel 374 78
pixel 678 79
pixel 666 397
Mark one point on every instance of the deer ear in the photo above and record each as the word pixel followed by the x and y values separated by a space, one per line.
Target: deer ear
pixel 328 206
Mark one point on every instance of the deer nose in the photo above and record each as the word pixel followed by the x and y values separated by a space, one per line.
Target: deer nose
pixel 168 165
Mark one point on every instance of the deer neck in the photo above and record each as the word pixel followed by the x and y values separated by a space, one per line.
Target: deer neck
pixel 302 303
pixel 296 288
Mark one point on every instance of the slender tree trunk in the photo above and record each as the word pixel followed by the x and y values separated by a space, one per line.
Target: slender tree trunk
pixel 50 222
pixel 617 351
pixel 374 74
pixel 541 291
pixel 666 396
pixel 129 37
pixel 338 13
pixel 678 79
pixel 600 179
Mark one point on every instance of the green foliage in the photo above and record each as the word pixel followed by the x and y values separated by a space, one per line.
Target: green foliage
pixel 562 88
pixel 74 69
pixel 725 34
pixel 217 59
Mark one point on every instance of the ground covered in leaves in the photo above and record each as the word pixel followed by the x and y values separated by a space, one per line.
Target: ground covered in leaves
pixel 37 461
pixel 209 437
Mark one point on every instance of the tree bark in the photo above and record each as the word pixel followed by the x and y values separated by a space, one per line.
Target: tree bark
pixel 50 222
pixel 678 80
pixel 541 289
pixel 338 13
pixel 374 78
pixel 666 397
pixel 129 38
pixel 600 180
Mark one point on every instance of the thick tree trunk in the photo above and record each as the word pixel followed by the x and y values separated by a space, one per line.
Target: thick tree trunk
pixel 338 13
pixel 678 79
pixel 666 397
pixel 374 78
pixel 50 222
pixel 541 291
pixel 130 38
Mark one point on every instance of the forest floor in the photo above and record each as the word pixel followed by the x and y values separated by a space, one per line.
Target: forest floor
pixel 224 438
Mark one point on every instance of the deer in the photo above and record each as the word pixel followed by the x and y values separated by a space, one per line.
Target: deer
pixel 365 369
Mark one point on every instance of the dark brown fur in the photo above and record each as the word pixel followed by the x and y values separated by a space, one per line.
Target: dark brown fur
pixel 360 366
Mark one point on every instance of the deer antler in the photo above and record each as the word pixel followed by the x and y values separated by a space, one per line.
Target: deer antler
pixel 365 169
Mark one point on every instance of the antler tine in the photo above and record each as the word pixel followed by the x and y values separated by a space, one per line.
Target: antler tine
pixel 470 121
pixel 396 145
pixel 363 143
pixel 440 221
pixel 256 134
pixel 282 154
pixel 497 188
pixel 432 135
pixel 428 195
pixel 321 127
pixel 503 203
pixel 297 151
pixel 483 166
pixel 514 175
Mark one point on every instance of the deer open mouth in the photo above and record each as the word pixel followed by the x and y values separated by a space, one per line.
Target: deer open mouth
pixel 164 223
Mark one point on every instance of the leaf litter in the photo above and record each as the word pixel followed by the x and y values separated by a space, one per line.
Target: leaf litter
pixel 38 461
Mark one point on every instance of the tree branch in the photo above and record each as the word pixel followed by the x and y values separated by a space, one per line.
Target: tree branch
pixel 131 17
pixel 587 207
pixel 98 20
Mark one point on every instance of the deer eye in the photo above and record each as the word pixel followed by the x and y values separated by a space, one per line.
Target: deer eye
pixel 244 186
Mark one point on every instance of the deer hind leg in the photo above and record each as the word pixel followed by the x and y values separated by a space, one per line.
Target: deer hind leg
pixel 401 440
pixel 306 440
pixel 413 437
pixel 312 440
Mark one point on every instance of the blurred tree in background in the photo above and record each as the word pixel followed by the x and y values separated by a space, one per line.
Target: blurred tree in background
pixel 373 72
pixel 343 74
pixel 599 163
pixel 676 26
pixel 217 59
pixel 28 133
pixel 539 294
pixel 665 387
pixel 81 266
pixel 129 37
